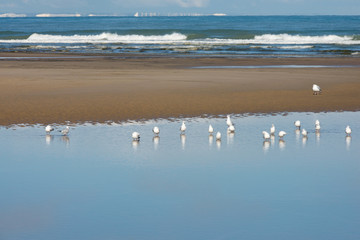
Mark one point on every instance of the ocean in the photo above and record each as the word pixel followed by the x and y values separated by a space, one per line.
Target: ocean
pixel 233 36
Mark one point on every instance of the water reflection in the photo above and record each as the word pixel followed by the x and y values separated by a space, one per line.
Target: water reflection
pixel 266 146
pixel 48 139
pixel 282 144
pixel 230 138
pixel 183 140
pixel 211 139
pixel 272 140
pixel 297 135
pixel 66 140
pixel 135 144
pixel 156 140
pixel 348 142
pixel 317 137
pixel 218 144
pixel 304 141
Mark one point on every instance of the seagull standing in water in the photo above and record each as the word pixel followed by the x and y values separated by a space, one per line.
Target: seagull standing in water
pixel 211 129
pixel 282 134
pixel 231 129
pixel 266 135
pixel 272 129
pixel 297 124
pixel 316 89
pixel 183 127
pixel 218 136
pixel 49 129
pixel 348 130
pixel 136 136
pixel 65 131
pixel 156 130
pixel 304 133
pixel 228 121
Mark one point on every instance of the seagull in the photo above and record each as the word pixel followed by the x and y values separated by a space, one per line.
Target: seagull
pixel 156 131
pixel 297 124
pixel 49 129
pixel 218 136
pixel 228 121
pixel 317 127
pixel 211 129
pixel 282 134
pixel 348 130
pixel 304 133
pixel 317 122
pixel 231 129
pixel 136 136
pixel 266 135
pixel 272 129
pixel 183 127
pixel 65 131
pixel 316 89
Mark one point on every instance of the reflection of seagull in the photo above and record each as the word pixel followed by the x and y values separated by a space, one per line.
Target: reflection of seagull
pixel 297 124
pixel 135 144
pixel 304 133
pixel 316 89
pixel 272 129
pixel 266 146
pixel 49 129
pixel 65 131
pixel 348 130
pixel 218 136
pixel 48 139
pixel 282 134
pixel 136 136
pixel 228 121
pixel 266 135
pixel 156 131
pixel 211 138
pixel 183 127
pixel 282 144
pixel 156 140
pixel 211 129
pixel 348 142
pixel 183 140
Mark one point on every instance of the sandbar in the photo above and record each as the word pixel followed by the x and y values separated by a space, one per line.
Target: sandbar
pixel 56 88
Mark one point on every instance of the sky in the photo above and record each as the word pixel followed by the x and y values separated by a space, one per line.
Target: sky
pixel 230 7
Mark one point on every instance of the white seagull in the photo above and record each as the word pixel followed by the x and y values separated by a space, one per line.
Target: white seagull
pixel 231 129
pixel 282 134
pixel 304 132
pixel 211 129
pixel 317 127
pixel 272 129
pixel 316 89
pixel 156 130
pixel 348 130
pixel 49 129
pixel 317 122
pixel 183 127
pixel 228 121
pixel 297 124
pixel 266 135
pixel 218 136
pixel 136 136
pixel 65 131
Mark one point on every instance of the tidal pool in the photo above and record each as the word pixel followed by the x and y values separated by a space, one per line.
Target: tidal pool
pixel 97 183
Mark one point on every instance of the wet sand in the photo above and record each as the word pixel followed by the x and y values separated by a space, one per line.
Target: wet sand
pixel 118 88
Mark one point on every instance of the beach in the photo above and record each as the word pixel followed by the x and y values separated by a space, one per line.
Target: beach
pixel 55 88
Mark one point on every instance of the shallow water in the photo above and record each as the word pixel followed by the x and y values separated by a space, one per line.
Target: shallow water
pixel 98 184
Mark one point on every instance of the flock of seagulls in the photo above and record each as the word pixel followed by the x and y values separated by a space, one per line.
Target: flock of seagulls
pixel 64 132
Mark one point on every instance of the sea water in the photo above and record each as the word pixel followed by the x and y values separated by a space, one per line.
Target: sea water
pixel 236 36
pixel 97 183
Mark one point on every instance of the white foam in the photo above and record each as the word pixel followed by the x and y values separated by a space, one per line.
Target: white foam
pixel 178 38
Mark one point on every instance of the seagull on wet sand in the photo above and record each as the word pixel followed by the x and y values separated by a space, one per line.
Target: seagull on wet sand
pixel 316 89
pixel 136 136
pixel 49 129
pixel 156 130
pixel 348 130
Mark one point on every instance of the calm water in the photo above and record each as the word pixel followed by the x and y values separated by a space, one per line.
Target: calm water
pixel 97 184
pixel 209 35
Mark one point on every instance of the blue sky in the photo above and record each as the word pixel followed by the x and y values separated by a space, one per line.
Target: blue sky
pixel 231 7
